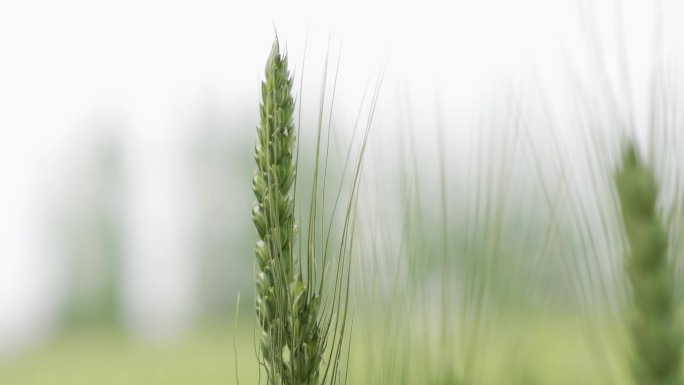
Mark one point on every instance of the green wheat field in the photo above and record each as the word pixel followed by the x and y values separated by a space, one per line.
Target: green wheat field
pixel 558 354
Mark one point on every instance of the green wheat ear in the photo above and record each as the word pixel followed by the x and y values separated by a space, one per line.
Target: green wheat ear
pixel 654 331
pixel 291 343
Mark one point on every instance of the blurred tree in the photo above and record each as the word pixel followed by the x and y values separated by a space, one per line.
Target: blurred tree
pixel 91 235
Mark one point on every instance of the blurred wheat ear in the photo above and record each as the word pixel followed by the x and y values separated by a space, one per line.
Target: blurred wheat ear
pixel 302 301
pixel 654 330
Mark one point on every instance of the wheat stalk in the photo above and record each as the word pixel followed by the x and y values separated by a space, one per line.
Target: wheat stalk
pixel 654 331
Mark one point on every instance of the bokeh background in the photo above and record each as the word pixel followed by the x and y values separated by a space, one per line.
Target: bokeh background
pixel 126 138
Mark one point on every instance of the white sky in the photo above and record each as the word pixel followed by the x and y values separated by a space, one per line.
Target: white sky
pixel 62 63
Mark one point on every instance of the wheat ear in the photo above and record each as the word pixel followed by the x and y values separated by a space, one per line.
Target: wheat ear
pixel 653 328
pixel 290 342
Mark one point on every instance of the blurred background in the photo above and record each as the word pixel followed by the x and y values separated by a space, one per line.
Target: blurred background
pixel 127 132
